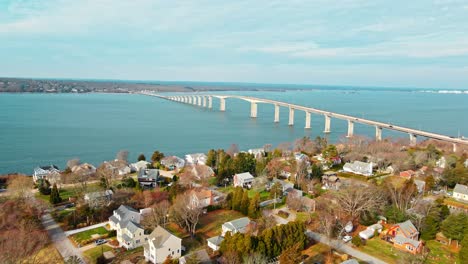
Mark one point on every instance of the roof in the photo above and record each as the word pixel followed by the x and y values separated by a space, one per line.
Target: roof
pixel 350 261
pixel 202 257
pixel 237 224
pixel 460 188
pixel 50 167
pixel 203 194
pixel 216 240
pixel 126 214
pixel 359 167
pixel 96 195
pixel 133 227
pixel 159 236
pixel 149 174
pixel 244 176
pixel 420 184
pixel 404 240
pixel 407 228
pixel 407 174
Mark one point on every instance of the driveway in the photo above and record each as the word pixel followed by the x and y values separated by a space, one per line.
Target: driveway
pixel 342 247
pixel 74 231
pixel 61 242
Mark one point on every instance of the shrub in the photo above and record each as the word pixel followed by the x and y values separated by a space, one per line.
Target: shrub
pixel 356 241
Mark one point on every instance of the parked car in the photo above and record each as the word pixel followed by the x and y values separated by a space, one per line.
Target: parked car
pixel 100 242
pixel 346 239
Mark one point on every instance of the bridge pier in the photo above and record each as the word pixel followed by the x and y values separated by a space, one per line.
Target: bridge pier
pixel 277 111
pixel 307 120
pixel 199 100
pixel 327 124
pixel 413 140
pixel 378 133
pixel 350 128
pixel 253 109
pixel 185 99
pixel 189 99
pixel 222 104
pixel 291 116
pixel 194 100
pixel 210 102
pixel 454 145
pixel 204 101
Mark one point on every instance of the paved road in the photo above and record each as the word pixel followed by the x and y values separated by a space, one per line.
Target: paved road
pixel 342 247
pixel 74 231
pixel 56 234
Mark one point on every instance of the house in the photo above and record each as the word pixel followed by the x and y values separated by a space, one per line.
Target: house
pixel 148 178
pixel 258 152
pixel 140 165
pixel 421 185
pixel 293 193
pixel 173 162
pixel 243 180
pixel 200 171
pixel 404 236
pixel 197 158
pixel 330 180
pixel 236 226
pixel 41 173
pixel 285 186
pixel 96 199
pixel 407 174
pixel 118 167
pixel 350 261
pixel 370 231
pixel 336 160
pixel 201 198
pixel 200 255
pixel 84 169
pixel 359 167
pixel 215 242
pixel 301 157
pixel 460 192
pixel 126 221
pixel 162 244
pixel 441 163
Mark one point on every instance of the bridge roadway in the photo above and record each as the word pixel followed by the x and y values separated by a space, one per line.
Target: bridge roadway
pixel 192 99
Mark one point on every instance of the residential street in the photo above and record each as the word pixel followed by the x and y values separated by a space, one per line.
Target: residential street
pixel 343 247
pixel 61 242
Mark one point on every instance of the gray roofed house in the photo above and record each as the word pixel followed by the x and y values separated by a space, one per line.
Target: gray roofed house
pixel 239 225
pixel 44 171
pixel 126 221
pixel 162 244
pixel 202 257
pixel 214 242
pixel 148 177
pixel 402 240
pixel 350 261
pixel 96 199
pixel 460 192
pixel 359 167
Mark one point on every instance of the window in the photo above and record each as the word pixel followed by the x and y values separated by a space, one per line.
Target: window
pixel 169 249
pixel 172 252
pixel 178 250
pixel 138 241
pixel 409 247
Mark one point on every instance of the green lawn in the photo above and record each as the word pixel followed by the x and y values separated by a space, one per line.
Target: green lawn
pixel 302 216
pixel 440 254
pixel 94 253
pixel 210 224
pixel 383 250
pixel 86 235
pixel 65 193
pixel 264 195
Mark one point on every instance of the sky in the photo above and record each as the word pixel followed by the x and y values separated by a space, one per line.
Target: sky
pixel 418 43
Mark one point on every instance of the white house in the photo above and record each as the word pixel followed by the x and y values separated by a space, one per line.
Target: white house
pixel 162 244
pixel 173 162
pixel 140 165
pixel 126 221
pixel 359 167
pixel 239 225
pixel 441 163
pixel 421 185
pixel 460 192
pixel 300 157
pixel 43 172
pixel 243 180
pixel 196 158
pixel 214 242
pixel 258 152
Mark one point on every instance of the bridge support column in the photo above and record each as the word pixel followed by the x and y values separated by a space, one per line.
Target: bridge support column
pixel 189 99
pixel 378 133
pixel 194 100
pixel 413 140
pixel 307 120
pixel 222 104
pixel 253 109
pixel 327 124
pixel 204 101
pixel 454 147
pixel 350 128
pixel 291 116
pixel 199 100
pixel 185 99
pixel 277 111
pixel 210 102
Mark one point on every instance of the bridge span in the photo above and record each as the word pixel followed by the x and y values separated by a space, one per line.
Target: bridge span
pixel 206 100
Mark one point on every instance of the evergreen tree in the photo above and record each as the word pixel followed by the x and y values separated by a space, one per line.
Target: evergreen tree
pixel 463 256
pixel 157 156
pixel 211 158
pixel 454 226
pixel 316 172
pixel 291 255
pixel 44 186
pixel 141 157
pixel 244 208
pixel 431 227
pixel 254 206
pixel 55 195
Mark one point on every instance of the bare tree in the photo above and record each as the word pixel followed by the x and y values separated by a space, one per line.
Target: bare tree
pixel 233 150
pixel 185 214
pixel 274 168
pixel 401 194
pixel 301 172
pixel 73 162
pixel 158 216
pixel 355 201
pixel 284 147
pixel 293 201
pixel 255 258
pixel 122 155
pixel 20 186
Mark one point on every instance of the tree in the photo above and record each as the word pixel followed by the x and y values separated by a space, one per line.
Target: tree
pixel 330 152
pixel 463 256
pixel 73 162
pixel 316 172
pixel 55 195
pixel 20 186
pixel 233 150
pixel 301 173
pixel 157 156
pixel 355 201
pixel 245 203
pixel 192 258
pixel 255 258
pixel 211 158
pixel 293 201
pixel 276 191
pixel 128 182
pixel 43 186
pixel 274 168
pixel 430 182
pixel 291 255
pixel 401 194
pixel 141 157
pixel 186 216
pixel 122 155
pixel 454 226
pixel 356 240
pixel 254 206
pixel 159 215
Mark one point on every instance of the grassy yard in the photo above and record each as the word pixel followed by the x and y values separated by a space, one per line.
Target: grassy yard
pixel 316 253
pixel 176 230
pixel 65 193
pixel 440 254
pixel 210 224
pixel 383 250
pixel 302 216
pixel 86 235
pixel 45 256
pixel 264 195
pixel 92 254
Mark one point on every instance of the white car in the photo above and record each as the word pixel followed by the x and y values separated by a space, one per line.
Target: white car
pixel 346 239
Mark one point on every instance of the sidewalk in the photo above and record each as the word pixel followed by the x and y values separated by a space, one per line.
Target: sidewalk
pixel 74 231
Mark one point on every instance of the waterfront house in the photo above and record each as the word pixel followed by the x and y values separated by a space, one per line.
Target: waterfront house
pixel 196 158
pixel 258 152
pixel 140 165
pixel 460 192
pixel 162 244
pixel 240 225
pixel 214 242
pixel 126 222
pixel 41 173
pixel 84 169
pixel 173 162
pixel 359 167
pixel 201 256
pixel 97 199
pixel 148 178
pixel 243 180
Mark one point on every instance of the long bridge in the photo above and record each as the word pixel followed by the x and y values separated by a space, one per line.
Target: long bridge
pixel 206 100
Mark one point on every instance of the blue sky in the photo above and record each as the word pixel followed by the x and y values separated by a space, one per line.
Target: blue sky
pixel 349 42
